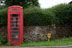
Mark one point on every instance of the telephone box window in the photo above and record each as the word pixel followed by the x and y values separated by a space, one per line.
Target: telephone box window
pixel 16 36
pixel 15 39
pixel 15 15
pixel 15 32
pixel 15 25
pixel 14 18
pixel 14 28
pixel 14 10
pixel 14 21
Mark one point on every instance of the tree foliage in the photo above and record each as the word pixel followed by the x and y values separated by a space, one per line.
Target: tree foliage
pixel 70 2
pixel 24 3
pixel 2 0
pixel 63 13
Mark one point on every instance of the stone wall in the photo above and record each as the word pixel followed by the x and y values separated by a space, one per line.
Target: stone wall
pixel 63 30
pixel 39 33
pixel 3 31
pixel 35 33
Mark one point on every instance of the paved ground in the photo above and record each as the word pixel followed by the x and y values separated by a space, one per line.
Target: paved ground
pixel 38 47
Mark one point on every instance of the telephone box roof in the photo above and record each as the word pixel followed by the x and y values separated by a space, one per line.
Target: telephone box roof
pixel 15 6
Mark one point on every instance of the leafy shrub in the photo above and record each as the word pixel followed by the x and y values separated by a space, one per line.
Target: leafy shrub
pixel 0 43
pixel 3 40
pixel 3 16
pixel 63 13
pixel 37 16
pixel 8 44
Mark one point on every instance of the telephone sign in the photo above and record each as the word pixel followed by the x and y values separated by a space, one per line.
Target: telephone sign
pixel 15 25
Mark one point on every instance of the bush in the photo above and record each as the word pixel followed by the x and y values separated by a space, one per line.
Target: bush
pixel 37 16
pixel 0 43
pixel 3 16
pixel 63 13
pixel 3 40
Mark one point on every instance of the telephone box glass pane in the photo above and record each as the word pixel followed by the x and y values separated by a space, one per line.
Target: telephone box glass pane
pixel 15 32
pixel 15 15
pixel 14 10
pixel 16 36
pixel 15 25
pixel 15 39
pixel 14 28
pixel 14 19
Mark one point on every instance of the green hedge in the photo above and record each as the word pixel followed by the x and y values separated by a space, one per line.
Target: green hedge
pixel 3 16
pixel 59 14
pixel 37 16
pixel 63 13
pixel 3 40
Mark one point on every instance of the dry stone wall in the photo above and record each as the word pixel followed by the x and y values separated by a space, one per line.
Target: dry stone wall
pixel 39 33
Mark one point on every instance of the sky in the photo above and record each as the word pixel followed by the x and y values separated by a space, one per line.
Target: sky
pixel 50 3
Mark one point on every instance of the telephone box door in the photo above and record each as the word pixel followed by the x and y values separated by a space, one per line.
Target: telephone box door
pixel 15 25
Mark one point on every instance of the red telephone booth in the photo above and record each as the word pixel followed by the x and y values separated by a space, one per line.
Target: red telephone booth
pixel 15 25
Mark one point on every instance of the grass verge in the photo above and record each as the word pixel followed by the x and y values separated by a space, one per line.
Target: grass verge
pixel 57 42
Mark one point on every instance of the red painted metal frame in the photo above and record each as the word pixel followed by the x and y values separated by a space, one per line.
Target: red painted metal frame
pixel 20 24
